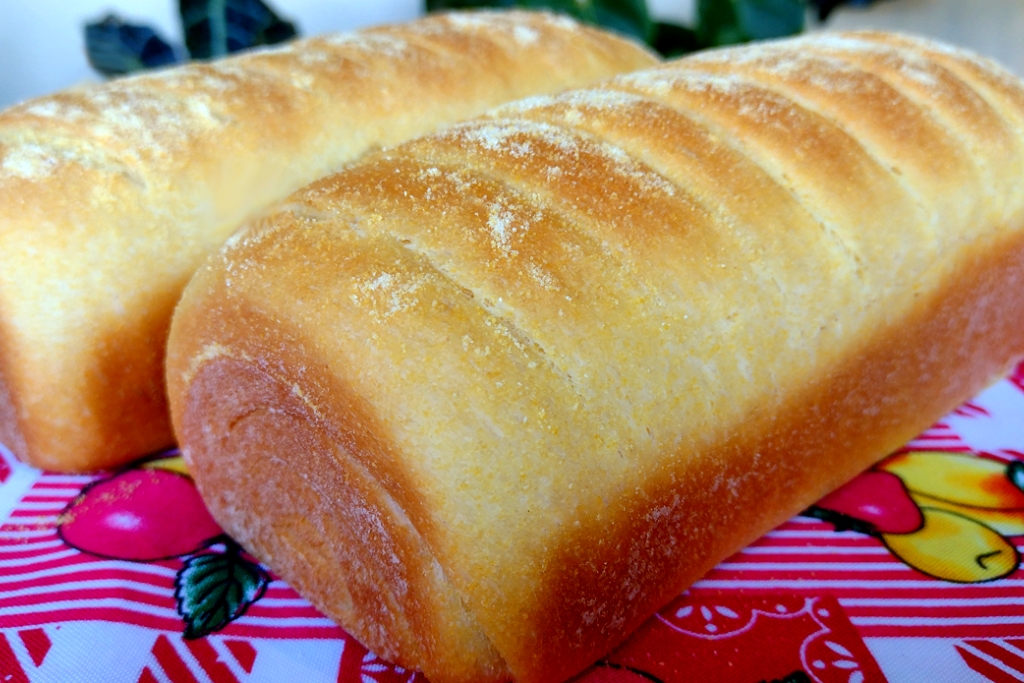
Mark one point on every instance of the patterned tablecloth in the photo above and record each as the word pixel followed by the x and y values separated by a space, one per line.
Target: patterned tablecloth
pixel 909 573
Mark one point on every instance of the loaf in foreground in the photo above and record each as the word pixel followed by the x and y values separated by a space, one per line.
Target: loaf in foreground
pixel 112 195
pixel 492 397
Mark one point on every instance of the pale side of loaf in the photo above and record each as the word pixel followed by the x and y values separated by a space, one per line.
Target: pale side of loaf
pixel 112 195
pixel 492 397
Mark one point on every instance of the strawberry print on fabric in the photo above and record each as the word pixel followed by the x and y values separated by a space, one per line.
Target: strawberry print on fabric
pixel 153 512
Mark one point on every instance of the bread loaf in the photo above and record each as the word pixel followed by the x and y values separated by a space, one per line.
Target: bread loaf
pixel 112 195
pixel 492 397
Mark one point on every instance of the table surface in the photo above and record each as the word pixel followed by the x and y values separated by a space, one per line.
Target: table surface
pixel 909 573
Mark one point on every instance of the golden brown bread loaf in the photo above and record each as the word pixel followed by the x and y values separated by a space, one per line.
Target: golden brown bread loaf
pixel 112 195
pixel 492 397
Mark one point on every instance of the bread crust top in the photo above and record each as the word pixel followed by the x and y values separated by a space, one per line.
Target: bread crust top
pixel 111 195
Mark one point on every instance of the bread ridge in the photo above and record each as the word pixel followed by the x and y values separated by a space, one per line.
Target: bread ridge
pixel 112 195
pixel 593 343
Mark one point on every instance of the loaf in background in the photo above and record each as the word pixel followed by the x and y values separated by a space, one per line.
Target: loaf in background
pixel 112 195
pixel 492 397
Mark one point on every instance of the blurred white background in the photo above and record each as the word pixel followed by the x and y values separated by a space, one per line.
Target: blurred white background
pixel 41 43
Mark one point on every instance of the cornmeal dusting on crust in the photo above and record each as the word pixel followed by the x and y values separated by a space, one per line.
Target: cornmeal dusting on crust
pixel 388 295
pixel 514 137
pixel 30 162
pixel 541 276
pixel 525 35
pixel 595 98
pixel 503 224
pixel 391 46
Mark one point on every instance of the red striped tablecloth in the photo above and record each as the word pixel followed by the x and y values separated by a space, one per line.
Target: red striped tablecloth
pixel 910 573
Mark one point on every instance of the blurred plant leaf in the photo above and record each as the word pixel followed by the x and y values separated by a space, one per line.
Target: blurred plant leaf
pixel 826 7
pixel 726 22
pixel 764 19
pixel 629 17
pixel 115 48
pixel 214 28
pixel 673 40
pixel 717 23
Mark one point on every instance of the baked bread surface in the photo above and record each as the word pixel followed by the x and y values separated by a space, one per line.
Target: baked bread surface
pixel 492 397
pixel 112 195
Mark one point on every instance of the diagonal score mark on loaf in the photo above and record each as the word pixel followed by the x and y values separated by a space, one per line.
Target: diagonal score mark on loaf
pixel 505 153
pixel 899 90
pixel 966 111
pixel 761 230
pixel 988 102
pixel 824 73
pixel 899 58
pixel 29 154
pixel 123 128
pixel 744 116
pixel 364 222
pixel 880 119
pixel 128 118
pixel 905 240
pixel 565 171
pixel 786 141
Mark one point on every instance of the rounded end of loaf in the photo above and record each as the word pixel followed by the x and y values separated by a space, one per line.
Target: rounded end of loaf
pixel 280 479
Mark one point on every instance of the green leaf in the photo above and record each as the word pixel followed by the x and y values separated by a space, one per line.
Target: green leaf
pixel 214 28
pixel 629 17
pixel 114 47
pixel 214 589
pixel 763 19
pixel 727 22
pixel 672 40
pixel 717 23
